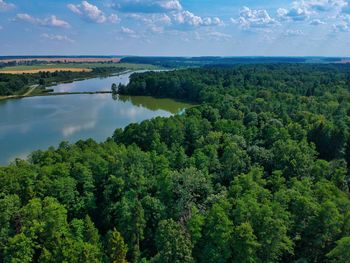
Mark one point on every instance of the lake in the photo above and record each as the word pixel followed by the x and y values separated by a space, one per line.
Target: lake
pixel 95 84
pixel 34 123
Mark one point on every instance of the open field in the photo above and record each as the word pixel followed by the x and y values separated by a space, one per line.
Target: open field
pixel 74 67
pixel 62 59
pixel 32 71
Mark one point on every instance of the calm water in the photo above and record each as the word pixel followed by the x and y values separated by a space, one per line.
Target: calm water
pixel 95 84
pixel 39 122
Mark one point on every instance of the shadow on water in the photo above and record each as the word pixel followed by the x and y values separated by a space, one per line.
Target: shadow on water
pixel 155 104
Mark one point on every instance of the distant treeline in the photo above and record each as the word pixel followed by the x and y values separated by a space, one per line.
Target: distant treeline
pixel 173 62
pixel 301 79
pixel 40 57
pixel 14 84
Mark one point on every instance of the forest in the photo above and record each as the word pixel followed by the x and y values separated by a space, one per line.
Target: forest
pixel 181 62
pixel 256 172
pixel 16 84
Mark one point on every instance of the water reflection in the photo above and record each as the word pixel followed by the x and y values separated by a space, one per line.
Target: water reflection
pixel 94 84
pixel 154 104
pixel 39 122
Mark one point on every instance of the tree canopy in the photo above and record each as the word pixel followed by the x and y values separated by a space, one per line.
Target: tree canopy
pixel 257 171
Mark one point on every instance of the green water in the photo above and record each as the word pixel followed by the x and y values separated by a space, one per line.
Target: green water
pixel 39 122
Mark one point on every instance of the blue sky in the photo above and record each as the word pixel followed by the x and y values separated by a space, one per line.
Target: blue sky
pixel 175 27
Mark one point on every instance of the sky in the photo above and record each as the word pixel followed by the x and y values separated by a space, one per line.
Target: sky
pixel 175 27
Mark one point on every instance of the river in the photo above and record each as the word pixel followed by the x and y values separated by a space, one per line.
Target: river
pixel 34 123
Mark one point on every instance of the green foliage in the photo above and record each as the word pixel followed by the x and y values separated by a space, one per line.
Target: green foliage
pixel 257 172
pixel 173 243
pixel 117 249
pixel 341 253
pixel 14 84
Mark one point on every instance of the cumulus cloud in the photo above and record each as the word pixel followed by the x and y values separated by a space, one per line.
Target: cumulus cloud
pixel 92 13
pixel 61 38
pixel 295 14
pixel 159 14
pixel 6 6
pixel 178 20
pixel 51 21
pixel 190 19
pixel 302 10
pixel 253 18
pixel 147 6
pixel 324 5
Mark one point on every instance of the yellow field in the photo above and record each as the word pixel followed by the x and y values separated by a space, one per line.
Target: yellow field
pixel 31 71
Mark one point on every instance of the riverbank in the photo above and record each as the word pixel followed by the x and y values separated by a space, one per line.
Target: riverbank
pixel 38 90
pixel 28 93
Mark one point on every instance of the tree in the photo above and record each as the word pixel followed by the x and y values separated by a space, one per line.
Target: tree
pixel 114 88
pixel 244 244
pixel 173 243
pixel 116 247
pixel 217 236
pixel 341 253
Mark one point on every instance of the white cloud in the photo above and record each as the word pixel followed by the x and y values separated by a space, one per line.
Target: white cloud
pixel 114 19
pixel 190 19
pixel 75 9
pixel 1 28
pixel 219 35
pixel 157 29
pixel 186 17
pixel 130 33
pixel 52 21
pixel 317 22
pixel 253 18
pixel 92 13
pixel 158 14
pixel 341 27
pixel 27 18
pixel 295 13
pixel 324 5
pixel 215 21
pixel 60 38
pixel 151 19
pixel 147 6
pixel 292 32
pixel 302 10
pixel 170 5
pixel 126 30
pixel 6 6
pixel 155 23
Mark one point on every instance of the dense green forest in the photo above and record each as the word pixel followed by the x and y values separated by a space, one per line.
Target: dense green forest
pixel 257 172
pixel 180 62
pixel 14 84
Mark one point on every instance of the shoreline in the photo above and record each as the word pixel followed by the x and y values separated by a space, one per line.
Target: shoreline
pixel 46 92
